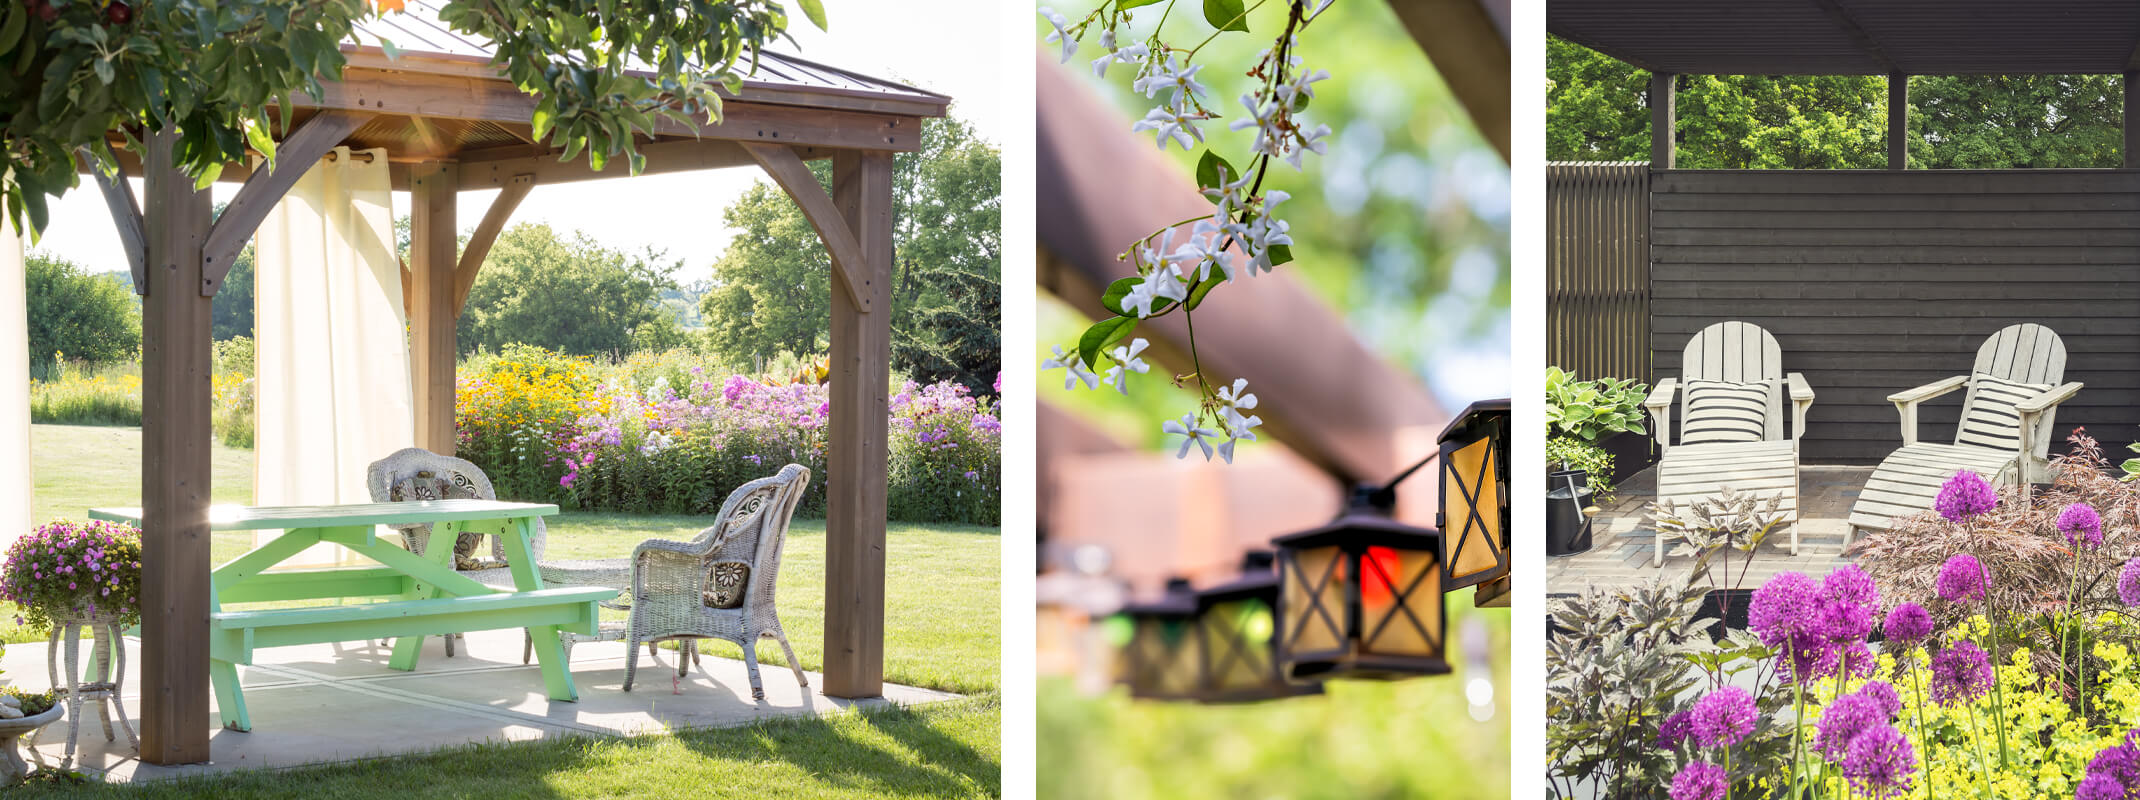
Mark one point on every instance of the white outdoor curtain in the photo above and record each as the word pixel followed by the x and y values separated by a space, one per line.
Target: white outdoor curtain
pixel 14 390
pixel 334 386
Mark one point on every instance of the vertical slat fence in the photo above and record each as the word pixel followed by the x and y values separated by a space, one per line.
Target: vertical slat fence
pixel 1598 268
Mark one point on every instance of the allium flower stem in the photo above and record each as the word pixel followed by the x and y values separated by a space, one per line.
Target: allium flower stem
pixel 1978 742
pixel 1798 736
pixel 1998 697
pixel 1924 740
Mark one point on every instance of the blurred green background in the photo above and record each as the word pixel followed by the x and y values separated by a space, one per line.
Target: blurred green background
pixel 1403 229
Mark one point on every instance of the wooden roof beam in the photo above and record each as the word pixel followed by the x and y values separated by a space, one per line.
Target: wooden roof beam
pixel 1849 24
pixel 485 235
pixel 126 214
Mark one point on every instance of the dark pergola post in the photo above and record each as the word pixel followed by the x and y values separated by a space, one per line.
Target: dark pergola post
pixel 433 187
pixel 175 383
pixel 856 452
pixel 1898 121
pixel 2132 131
pixel 1663 120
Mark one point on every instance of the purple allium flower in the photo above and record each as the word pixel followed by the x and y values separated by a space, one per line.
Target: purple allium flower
pixel 1880 762
pixel 1965 495
pixel 1849 604
pixel 1961 579
pixel 1699 780
pixel 1908 624
pixel 2114 772
pixel 2082 526
pixel 1843 720
pixel 1783 608
pixel 1723 718
pixel 1961 672
pixel 1676 729
pixel 1883 693
pixel 2129 583
pixel 2099 787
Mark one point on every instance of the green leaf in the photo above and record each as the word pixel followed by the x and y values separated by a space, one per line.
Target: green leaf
pixel 1103 335
pixel 1279 254
pixel 1196 295
pixel 1226 15
pixel 1112 298
pixel 816 12
pixel 1125 5
pixel 208 176
pixel 1212 171
pixel 545 116
pixel 18 18
pixel 387 45
pixel 256 134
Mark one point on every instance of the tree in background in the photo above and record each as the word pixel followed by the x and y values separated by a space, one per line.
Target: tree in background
pixel 1597 109
pixel 570 295
pixel 89 319
pixel 770 289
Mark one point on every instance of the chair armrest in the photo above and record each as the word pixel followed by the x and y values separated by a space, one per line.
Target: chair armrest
pixel 2048 398
pixel 1659 404
pixel 1661 397
pixel 1801 400
pixel 1929 390
pixel 1800 390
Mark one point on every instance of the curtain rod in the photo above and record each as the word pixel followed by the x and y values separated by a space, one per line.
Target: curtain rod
pixel 364 157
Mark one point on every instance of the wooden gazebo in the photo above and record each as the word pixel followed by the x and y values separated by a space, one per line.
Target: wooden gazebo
pixel 451 123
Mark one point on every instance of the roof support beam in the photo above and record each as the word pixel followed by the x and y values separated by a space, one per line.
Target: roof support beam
pixel 2132 116
pixel 1898 121
pixel 841 241
pixel 1835 11
pixel 293 158
pixel 126 214
pixel 485 235
pixel 1663 120
pixel 493 167
pixel 1468 44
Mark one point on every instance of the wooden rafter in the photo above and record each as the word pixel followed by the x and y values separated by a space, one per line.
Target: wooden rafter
pixel 485 235
pixel 126 215
pixel 793 175
pixel 297 153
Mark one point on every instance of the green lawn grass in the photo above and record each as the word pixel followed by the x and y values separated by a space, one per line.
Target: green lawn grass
pixel 942 618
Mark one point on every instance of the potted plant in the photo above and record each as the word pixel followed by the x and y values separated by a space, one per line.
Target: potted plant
pixel 1578 414
pixel 22 713
pixel 75 571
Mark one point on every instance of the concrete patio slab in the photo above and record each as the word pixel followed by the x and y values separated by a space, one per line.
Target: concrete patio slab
pixel 1623 544
pixel 482 694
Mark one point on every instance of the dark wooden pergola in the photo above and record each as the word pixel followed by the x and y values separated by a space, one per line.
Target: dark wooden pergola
pixel 450 124
pixel 1872 280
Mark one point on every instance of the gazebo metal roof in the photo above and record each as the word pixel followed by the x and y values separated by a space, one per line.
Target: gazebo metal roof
pixel 1857 37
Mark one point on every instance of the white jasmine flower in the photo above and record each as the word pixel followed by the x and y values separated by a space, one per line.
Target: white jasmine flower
pixel 1190 434
pixel 1172 125
pixel 1302 84
pixel 1074 365
pixel 1140 298
pixel 1238 434
pixel 1126 361
pixel 1123 55
pixel 1199 254
pixel 1317 12
pixel 1061 34
pixel 1235 399
pixel 1311 141
pixel 1227 195
pixel 1171 75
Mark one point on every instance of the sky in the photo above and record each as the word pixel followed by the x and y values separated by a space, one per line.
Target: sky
pixel 933 45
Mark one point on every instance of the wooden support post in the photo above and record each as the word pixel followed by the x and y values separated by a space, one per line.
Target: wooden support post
pixel 433 258
pixel 1663 120
pixel 2132 131
pixel 486 234
pixel 175 371
pixel 856 448
pixel 1898 121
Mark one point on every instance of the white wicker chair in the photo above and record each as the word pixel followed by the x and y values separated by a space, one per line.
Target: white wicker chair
pixel 674 585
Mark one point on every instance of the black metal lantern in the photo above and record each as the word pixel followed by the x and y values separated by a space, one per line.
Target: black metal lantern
pixel 1237 629
pixel 1160 656
pixel 1361 597
pixel 1474 517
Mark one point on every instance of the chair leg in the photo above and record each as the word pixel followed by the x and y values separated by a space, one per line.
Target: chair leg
pixel 782 637
pixel 750 662
pixel 631 659
pixel 1657 558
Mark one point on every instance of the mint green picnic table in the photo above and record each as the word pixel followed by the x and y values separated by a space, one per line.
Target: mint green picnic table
pixel 422 595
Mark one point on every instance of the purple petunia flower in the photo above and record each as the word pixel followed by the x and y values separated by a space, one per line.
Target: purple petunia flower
pixel 2082 526
pixel 1699 780
pixel 1880 762
pixel 1676 729
pixel 1908 624
pixel 1723 717
pixel 1961 672
pixel 1965 495
pixel 1961 579
pixel 2129 583
pixel 1843 720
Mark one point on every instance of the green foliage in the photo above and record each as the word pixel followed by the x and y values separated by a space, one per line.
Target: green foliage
pixel 79 397
pixel 1590 409
pixel 232 309
pixel 33 703
pixel 771 287
pixel 66 568
pixel 206 73
pixel 1570 453
pixel 1597 110
pixel 88 319
pixel 570 295
pixel 1615 669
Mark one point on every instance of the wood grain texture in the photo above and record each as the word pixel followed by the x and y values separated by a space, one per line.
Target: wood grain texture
pixel 175 371
pixel 849 265
pixel 126 217
pixel 1874 282
pixel 432 261
pixel 296 155
pixel 486 234
pixel 856 449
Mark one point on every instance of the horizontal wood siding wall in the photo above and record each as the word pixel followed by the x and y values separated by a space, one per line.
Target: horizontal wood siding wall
pixel 1875 282
pixel 1598 268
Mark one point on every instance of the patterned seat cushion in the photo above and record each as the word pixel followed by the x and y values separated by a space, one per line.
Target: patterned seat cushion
pixel 1990 419
pixel 1720 412
pixel 726 589
pixel 429 485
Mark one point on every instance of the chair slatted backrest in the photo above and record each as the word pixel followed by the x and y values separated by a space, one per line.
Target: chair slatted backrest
pixel 1737 352
pixel 2028 353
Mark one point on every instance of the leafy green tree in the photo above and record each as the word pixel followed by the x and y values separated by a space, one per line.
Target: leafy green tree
pixel 85 317
pixel 1597 109
pixel 570 295
pixel 207 72
pixel 770 291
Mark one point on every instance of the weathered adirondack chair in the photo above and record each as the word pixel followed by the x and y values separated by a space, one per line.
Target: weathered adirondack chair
pixel 2005 433
pixel 1731 391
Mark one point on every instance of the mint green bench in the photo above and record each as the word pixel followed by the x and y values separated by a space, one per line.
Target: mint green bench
pixel 418 595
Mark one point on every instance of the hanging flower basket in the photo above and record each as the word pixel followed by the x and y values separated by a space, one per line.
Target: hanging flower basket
pixel 75 571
